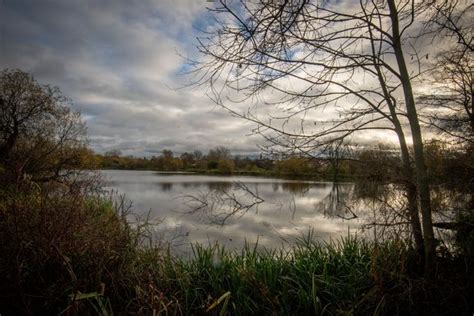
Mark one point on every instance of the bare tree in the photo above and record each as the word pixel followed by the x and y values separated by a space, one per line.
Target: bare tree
pixel 450 109
pixel 312 75
pixel 39 135
pixel 452 18
pixel 450 102
pixel 219 152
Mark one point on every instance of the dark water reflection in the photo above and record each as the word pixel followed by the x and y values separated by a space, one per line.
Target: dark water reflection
pixel 232 210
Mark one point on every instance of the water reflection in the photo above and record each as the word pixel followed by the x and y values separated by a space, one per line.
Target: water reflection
pixel 166 186
pixel 338 202
pixel 297 188
pixel 232 210
pixel 220 203
pixel 219 186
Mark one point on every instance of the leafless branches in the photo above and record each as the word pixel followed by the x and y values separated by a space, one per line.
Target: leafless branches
pixel 450 109
pixel 219 205
pixel 295 60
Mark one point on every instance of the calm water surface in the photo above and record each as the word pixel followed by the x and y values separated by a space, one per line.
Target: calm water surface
pixel 232 210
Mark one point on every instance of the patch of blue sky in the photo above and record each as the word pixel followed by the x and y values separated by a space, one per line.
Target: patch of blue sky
pixel 200 24
pixel 203 22
pixel 185 68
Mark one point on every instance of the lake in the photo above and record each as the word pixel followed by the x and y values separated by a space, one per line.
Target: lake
pixel 233 210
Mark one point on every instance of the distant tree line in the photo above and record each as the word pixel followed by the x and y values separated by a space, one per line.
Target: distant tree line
pixel 216 160
pixel 379 163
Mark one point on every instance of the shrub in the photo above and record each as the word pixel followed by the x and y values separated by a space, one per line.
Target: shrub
pixel 226 166
pixel 58 242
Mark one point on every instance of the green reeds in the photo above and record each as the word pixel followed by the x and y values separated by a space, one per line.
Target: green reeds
pixel 313 278
pixel 346 276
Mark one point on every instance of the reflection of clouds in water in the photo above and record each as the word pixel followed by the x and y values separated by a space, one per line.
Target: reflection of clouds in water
pixel 289 210
pixel 323 224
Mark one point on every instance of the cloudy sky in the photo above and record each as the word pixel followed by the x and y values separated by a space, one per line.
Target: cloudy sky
pixel 121 62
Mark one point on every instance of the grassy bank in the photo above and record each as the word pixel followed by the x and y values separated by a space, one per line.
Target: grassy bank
pixel 349 276
pixel 74 254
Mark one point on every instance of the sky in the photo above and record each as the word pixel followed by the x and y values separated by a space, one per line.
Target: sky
pixel 121 63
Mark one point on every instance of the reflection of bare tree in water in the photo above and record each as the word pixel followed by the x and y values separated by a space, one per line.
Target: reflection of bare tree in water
pixel 166 186
pixel 338 203
pixel 383 207
pixel 188 185
pixel 220 203
pixel 219 186
pixel 390 216
pixel 296 188
pixel 385 210
pixel 275 187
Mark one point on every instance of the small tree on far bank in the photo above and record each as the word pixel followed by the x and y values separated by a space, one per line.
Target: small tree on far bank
pixel 226 166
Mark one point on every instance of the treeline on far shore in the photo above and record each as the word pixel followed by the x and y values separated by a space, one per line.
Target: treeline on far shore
pixel 379 162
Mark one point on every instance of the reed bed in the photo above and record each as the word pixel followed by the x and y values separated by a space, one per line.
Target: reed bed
pixel 348 276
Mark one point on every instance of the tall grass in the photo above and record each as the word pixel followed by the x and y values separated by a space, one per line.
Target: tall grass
pixel 347 276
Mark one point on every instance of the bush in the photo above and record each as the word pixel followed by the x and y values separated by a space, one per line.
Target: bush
pixel 294 166
pixel 226 166
pixel 58 242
